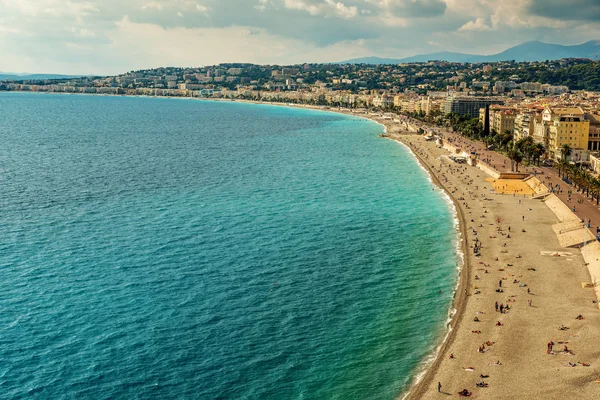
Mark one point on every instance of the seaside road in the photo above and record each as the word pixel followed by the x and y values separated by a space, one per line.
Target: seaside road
pixel 586 209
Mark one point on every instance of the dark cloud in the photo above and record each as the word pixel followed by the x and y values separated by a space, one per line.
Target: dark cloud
pixel 418 8
pixel 574 10
pixel 321 29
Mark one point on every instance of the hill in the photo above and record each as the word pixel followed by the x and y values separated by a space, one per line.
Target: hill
pixel 528 51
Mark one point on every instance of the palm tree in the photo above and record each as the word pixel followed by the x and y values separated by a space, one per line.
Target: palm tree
pixel 515 156
pixel 563 167
pixel 565 151
pixel 506 139
pixel 526 145
pixel 538 151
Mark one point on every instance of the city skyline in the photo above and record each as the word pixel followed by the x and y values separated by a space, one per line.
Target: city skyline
pixel 109 37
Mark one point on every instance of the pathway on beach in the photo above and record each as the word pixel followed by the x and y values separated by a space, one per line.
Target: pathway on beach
pixel 586 209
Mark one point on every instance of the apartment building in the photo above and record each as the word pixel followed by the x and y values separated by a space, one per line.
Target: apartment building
pixel 594 136
pixel 566 126
pixel 467 105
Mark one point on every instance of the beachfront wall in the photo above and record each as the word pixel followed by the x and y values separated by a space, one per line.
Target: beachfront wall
pixel 537 186
pixel 591 255
pixel 590 251
pixel 451 148
pixel 560 209
pixel 512 175
pixel 488 170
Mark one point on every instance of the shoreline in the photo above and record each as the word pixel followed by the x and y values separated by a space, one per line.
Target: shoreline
pixel 438 369
pixel 456 312
pixel 426 367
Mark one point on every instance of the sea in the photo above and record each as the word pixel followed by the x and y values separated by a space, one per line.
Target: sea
pixel 155 248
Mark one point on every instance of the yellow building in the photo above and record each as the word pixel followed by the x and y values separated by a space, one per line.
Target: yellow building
pixel 566 126
pixel 502 118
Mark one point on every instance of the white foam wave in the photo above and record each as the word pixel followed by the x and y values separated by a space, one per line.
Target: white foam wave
pixel 460 260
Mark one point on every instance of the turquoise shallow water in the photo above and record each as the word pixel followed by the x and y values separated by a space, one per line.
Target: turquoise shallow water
pixel 156 248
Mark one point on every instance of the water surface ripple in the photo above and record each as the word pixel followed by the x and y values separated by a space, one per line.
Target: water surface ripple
pixel 156 248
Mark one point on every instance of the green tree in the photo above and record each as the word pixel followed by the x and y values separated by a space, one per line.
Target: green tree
pixel 538 151
pixel 565 151
pixel 515 156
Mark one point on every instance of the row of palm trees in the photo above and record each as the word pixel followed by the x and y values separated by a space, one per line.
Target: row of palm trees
pixel 525 148
pixel 583 181
pixel 471 128
pixel 531 150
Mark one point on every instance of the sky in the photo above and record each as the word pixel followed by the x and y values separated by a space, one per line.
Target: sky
pixel 106 37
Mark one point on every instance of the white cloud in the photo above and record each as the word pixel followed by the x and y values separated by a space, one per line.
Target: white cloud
pixel 325 8
pixel 90 36
pixel 49 7
pixel 153 5
pixel 82 32
pixel 477 25
pixel 343 10
pixel 153 46
pixel 262 5
pixel 501 14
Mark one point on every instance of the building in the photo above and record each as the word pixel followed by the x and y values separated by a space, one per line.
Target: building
pixel 595 162
pixel 594 136
pixel 383 101
pixel 502 119
pixel 531 87
pixel 467 105
pixel 566 126
pixel 524 124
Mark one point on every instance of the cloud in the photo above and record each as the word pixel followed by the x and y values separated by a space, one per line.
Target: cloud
pixel 155 5
pixel 477 25
pixel 573 10
pixel 90 36
pixel 154 46
pixel 413 8
pixel 324 8
pixel 262 5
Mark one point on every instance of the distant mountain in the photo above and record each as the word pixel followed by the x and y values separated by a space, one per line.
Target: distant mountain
pixel 528 51
pixel 29 77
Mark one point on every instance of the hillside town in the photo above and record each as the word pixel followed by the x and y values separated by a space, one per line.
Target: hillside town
pixel 555 103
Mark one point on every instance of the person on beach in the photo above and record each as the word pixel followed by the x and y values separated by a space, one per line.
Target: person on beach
pixel 496 306
pixel 439 387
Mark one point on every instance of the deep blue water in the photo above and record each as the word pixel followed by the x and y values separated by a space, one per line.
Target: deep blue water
pixel 169 249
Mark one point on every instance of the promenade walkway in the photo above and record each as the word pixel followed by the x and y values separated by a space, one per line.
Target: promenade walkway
pixel 585 209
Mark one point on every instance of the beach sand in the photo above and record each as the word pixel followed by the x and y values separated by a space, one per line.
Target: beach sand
pixel 522 261
pixel 510 186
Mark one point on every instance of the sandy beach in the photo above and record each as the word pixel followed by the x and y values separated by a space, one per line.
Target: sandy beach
pixel 521 266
